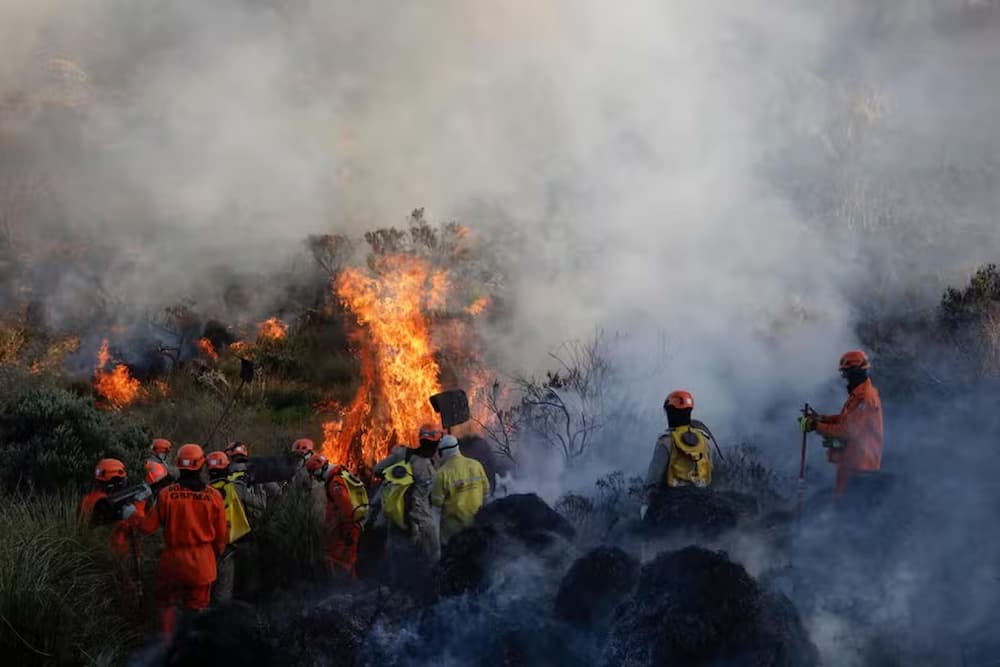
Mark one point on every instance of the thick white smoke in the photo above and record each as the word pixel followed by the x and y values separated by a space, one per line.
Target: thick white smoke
pixel 716 182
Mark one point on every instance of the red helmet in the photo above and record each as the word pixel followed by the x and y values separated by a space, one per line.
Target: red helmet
pixel 679 400
pixel 155 472
pixel 854 359
pixel 109 470
pixel 161 446
pixel 303 446
pixel 190 457
pixel 316 465
pixel 430 432
pixel 217 461
pixel 235 449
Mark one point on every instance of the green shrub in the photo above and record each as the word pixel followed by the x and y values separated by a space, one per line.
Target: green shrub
pixel 61 593
pixel 289 541
pixel 967 306
pixel 51 438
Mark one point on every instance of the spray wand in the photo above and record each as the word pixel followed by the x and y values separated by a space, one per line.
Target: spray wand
pixel 806 412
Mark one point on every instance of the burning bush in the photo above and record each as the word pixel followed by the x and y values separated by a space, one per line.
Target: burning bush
pixel 50 439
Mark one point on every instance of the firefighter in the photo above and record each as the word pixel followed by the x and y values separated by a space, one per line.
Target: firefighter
pixel 109 476
pixel 346 510
pixel 254 496
pixel 160 453
pixel 853 438
pixel 221 479
pixel 460 486
pixel 125 536
pixel 408 475
pixel 193 519
pixel 681 456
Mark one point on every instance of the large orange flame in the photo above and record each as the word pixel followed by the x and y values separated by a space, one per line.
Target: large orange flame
pixel 397 357
pixel 117 387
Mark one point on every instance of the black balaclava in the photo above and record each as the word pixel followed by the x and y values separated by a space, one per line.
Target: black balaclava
pixel 427 449
pixel 678 417
pixel 191 480
pixel 216 475
pixel 855 377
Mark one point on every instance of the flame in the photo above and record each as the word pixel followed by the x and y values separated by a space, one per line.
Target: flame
pixel 477 306
pixel 117 387
pixel 206 347
pixel 398 368
pixel 272 329
pixel 240 348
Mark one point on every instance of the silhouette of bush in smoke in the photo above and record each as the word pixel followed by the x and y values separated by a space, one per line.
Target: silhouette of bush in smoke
pixel 700 511
pixel 595 585
pixel 696 607
pixel 743 471
pixel 520 522
pixel 50 439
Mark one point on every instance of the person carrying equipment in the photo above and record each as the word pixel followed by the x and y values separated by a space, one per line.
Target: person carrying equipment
pixel 109 476
pixel 853 438
pixel 407 476
pixel 460 486
pixel 682 456
pixel 236 522
pixel 193 518
pixel 346 511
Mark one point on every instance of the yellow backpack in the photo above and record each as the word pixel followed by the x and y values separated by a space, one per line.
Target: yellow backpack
pixel 358 494
pixel 236 516
pixel 690 458
pixel 398 480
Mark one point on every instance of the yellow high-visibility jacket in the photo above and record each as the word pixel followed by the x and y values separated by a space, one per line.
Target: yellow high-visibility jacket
pixel 459 489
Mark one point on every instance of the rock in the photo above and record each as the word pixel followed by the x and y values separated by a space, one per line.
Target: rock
pixel 596 584
pixel 696 607
pixel 515 523
pixel 704 512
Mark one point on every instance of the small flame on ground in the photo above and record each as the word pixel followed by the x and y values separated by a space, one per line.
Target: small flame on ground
pixel 272 329
pixel 206 347
pixel 117 387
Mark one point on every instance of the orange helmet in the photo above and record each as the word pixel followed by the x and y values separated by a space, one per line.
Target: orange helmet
pixel 303 446
pixel 235 449
pixel 190 457
pixel 161 446
pixel 155 472
pixel 108 470
pixel 218 461
pixel 316 465
pixel 430 432
pixel 854 359
pixel 679 400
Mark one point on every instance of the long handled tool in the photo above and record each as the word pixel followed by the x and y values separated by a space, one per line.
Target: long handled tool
pixel 133 544
pixel 806 411
pixel 246 375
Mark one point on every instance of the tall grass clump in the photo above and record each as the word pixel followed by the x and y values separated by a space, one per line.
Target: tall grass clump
pixel 289 541
pixel 62 600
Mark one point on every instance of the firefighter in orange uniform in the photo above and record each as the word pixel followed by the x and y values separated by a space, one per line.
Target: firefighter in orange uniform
pixel 853 438
pixel 109 476
pixel 195 534
pixel 346 508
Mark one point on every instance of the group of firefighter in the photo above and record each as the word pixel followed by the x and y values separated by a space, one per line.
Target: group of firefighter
pixel 205 504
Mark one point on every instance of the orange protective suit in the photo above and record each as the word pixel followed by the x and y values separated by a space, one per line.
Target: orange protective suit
pixel 858 427
pixel 89 502
pixel 194 534
pixel 342 532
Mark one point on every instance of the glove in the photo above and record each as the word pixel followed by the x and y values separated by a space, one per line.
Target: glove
pixel 128 511
pixel 832 443
pixel 807 424
pixel 642 512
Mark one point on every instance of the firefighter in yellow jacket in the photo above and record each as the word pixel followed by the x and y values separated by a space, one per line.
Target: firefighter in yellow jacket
pixel 682 456
pixel 460 486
